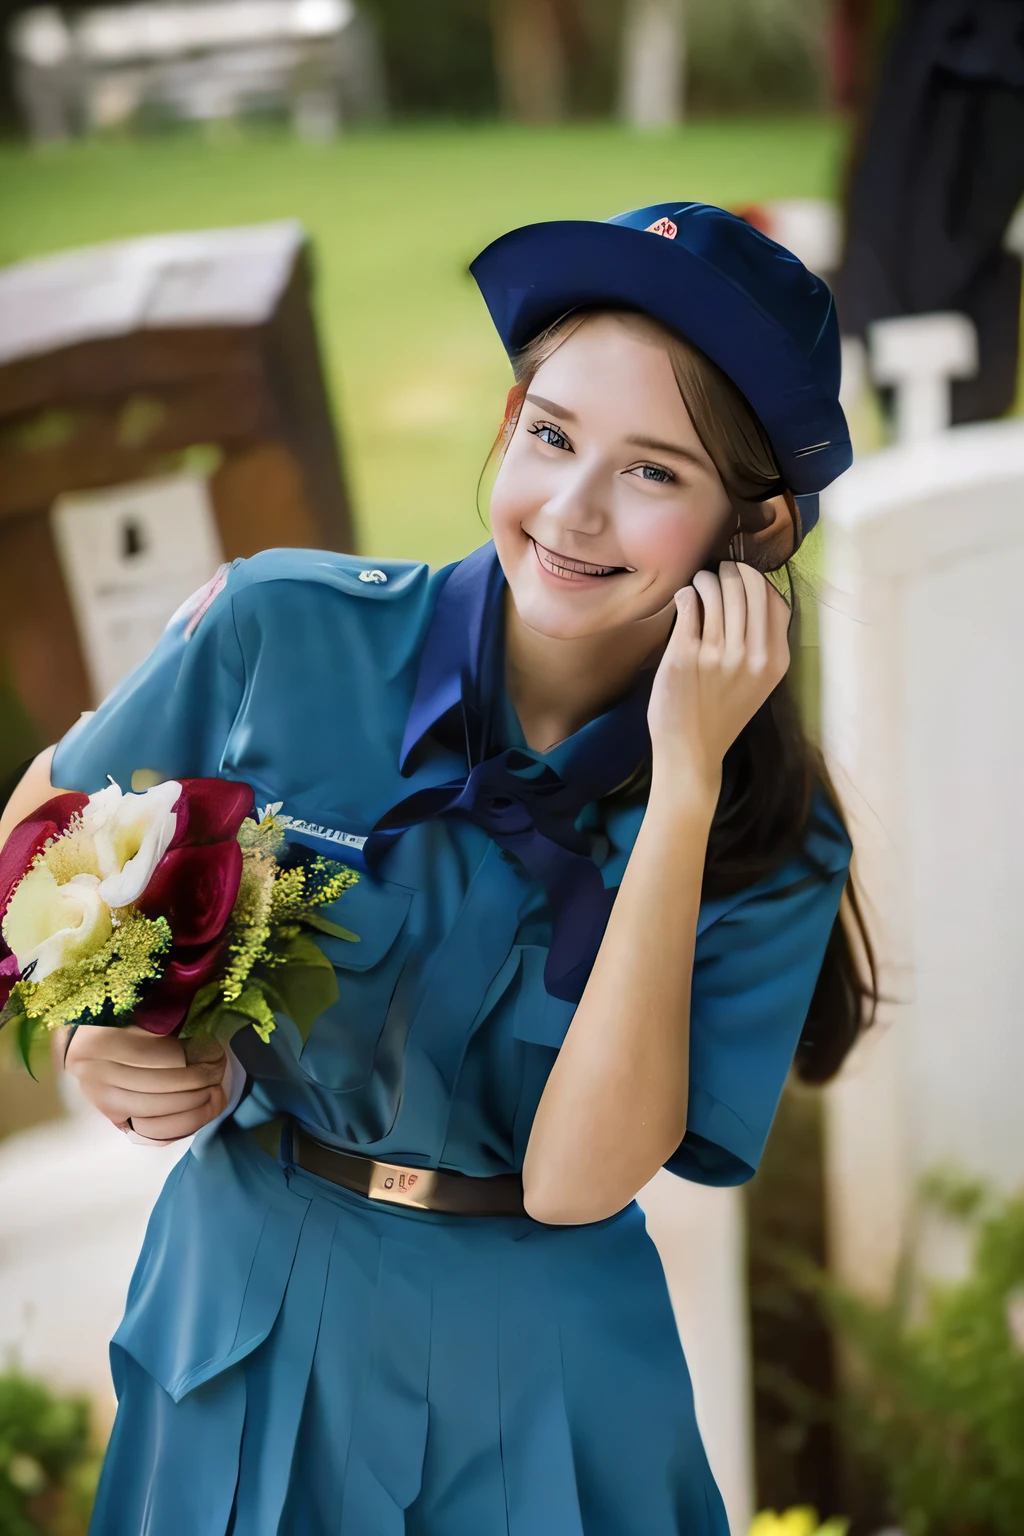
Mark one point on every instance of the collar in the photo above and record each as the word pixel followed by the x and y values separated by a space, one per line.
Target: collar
pixel 458 648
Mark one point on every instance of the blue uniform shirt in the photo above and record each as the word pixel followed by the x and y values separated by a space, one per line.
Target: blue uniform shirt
pixel 299 678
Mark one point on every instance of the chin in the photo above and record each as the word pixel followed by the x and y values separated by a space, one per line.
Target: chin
pixel 565 617
pixel 551 620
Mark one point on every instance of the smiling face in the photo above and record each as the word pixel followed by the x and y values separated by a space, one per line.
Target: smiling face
pixel 606 502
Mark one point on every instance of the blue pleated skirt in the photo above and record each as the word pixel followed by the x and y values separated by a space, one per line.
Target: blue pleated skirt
pixel 298 1361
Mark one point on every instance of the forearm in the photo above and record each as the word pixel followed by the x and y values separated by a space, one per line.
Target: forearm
pixel 614 1107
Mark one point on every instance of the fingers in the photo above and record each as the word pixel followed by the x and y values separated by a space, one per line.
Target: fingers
pixel 130 1045
pixel 128 1074
pixel 734 610
pixel 709 589
pixel 768 619
pixel 172 1127
pixel 755 590
pixel 139 1080
pixel 119 1106
pixel 686 631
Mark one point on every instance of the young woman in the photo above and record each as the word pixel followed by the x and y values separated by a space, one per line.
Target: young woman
pixel 401 1285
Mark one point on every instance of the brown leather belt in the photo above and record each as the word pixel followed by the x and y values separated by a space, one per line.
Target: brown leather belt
pixel 424 1189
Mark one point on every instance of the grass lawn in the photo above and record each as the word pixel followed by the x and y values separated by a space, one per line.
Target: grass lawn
pixel 418 376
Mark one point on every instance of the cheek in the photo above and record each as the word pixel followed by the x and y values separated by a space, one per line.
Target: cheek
pixel 519 489
pixel 672 541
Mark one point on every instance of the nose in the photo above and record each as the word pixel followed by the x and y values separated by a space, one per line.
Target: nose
pixel 580 502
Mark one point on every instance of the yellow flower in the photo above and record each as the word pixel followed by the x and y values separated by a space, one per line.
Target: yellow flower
pixel 802 1521
pixel 54 925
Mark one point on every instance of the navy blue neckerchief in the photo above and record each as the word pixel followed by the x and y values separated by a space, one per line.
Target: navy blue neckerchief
pixel 521 800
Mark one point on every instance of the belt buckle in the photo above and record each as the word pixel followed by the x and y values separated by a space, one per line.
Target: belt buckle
pixel 402 1186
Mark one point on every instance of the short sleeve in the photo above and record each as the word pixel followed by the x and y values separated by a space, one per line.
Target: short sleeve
pixel 756 964
pixel 173 715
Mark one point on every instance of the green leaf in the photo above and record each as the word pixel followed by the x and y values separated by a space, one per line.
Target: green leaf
pixel 304 984
pixel 334 929
pixel 25 1036
pixel 253 1004
pixel 203 1017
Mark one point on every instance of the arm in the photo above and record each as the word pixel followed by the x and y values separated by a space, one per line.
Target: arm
pixel 32 791
pixel 614 1108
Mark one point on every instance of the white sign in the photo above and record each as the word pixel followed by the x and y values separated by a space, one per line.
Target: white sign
pixel 131 555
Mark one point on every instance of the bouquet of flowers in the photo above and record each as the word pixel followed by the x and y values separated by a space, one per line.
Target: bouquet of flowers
pixel 175 909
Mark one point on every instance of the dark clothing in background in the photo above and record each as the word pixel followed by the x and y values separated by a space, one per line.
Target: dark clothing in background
pixel 940 172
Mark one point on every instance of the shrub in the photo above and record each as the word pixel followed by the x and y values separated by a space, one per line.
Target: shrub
pixel 937 1401
pixel 48 1465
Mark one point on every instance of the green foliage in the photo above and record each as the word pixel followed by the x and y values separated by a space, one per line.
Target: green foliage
pixel 48 1466
pixel 741 55
pixel 938 1399
pixel 438 58
pixel 755 55
pixel 274 966
pixel 107 984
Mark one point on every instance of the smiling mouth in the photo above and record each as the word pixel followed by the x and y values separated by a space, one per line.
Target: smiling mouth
pixel 568 569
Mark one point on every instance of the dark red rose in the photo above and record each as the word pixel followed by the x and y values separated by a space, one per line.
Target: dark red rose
pixel 194 887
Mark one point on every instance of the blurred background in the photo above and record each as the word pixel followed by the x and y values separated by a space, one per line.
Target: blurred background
pixel 235 313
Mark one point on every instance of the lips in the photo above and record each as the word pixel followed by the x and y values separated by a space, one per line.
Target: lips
pixel 569 569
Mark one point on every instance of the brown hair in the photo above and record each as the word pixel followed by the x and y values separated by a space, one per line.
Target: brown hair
pixel 773 774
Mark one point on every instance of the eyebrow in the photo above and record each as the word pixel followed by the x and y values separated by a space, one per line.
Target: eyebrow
pixel 549 405
pixel 656 446
pixel 674 448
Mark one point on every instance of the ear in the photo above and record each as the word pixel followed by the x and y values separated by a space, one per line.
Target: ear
pixel 771 533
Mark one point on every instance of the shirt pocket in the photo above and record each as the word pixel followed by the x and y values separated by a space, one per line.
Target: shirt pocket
pixel 539 1019
pixel 339 1053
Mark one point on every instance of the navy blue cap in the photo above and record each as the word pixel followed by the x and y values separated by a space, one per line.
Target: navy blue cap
pixel 744 300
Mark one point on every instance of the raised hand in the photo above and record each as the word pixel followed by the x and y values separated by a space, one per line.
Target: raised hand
pixel 728 650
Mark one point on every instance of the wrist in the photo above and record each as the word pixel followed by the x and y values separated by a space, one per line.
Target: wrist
pixel 685 793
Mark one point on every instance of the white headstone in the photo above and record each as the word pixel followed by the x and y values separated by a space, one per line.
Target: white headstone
pixel 922 634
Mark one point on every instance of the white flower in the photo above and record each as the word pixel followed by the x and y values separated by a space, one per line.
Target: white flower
pixel 131 834
pixel 55 925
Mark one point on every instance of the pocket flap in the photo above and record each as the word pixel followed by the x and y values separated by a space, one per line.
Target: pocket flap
pixel 214 1267
pixel 375 911
pixel 540 1019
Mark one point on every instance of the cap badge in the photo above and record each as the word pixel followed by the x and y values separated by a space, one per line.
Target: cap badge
pixel 663 227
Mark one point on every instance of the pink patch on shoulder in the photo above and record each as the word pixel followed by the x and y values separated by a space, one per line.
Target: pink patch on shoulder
pixel 200 602
pixel 663 227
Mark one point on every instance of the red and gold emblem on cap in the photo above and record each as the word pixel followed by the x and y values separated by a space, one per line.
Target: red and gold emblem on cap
pixel 663 227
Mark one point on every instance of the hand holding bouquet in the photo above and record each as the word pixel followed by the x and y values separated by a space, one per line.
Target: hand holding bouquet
pixel 174 910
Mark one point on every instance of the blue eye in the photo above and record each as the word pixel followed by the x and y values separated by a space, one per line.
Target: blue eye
pixel 550 435
pixel 657 474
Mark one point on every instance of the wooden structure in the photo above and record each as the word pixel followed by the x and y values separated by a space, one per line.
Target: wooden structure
pixel 83 69
pixel 137 359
